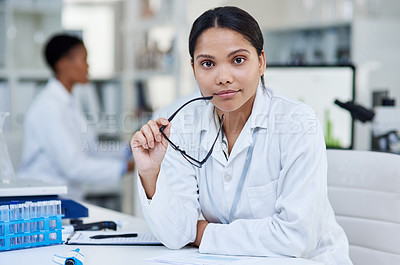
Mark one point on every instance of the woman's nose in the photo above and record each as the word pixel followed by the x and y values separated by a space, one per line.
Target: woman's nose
pixel 224 75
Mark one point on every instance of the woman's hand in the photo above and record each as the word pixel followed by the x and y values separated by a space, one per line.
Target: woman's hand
pixel 148 149
pixel 201 226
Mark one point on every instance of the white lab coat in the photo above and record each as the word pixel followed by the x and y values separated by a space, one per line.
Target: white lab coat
pixel 283 209
pixel 61 148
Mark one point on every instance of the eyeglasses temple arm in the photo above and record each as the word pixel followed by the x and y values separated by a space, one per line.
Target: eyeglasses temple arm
pixel 190 101
pixel 181 107
pixel 216 138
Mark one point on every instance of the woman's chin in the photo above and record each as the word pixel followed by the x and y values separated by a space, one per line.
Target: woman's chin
pixel 226 109
pixel 84 81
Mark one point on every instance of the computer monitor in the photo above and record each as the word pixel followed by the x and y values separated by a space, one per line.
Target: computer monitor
pixel 319 86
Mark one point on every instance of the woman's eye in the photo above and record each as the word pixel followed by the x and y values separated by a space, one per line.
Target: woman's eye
pixel 207 64
pixel 238 60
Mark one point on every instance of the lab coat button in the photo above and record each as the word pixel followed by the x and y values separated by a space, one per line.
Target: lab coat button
pixel 228 177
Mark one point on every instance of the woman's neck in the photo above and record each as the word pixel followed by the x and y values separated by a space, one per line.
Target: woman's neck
pixel 234 121
pixel 65 82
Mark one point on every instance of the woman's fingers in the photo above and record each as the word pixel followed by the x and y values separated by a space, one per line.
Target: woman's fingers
pixel 149 148
pixel 150 133
pixel 155 130
pixel 138 140
pixel 164 122
pixel 167 127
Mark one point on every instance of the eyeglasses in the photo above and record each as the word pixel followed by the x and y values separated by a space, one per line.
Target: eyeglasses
pixel 189 158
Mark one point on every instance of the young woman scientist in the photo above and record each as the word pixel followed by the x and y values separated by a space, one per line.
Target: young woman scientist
pixel 262 189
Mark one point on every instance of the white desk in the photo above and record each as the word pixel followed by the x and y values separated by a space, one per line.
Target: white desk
pixel 109 255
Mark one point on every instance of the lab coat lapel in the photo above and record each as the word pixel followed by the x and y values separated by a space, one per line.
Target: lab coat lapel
pixel 257 119
pixel 243 141
pixel 208 134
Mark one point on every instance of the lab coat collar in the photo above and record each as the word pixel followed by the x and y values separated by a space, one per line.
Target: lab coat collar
pixel 61 93
pixel 260 111
pixel 209 132
pixel 257 119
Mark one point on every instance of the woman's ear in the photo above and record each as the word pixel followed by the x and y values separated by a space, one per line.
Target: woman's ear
pixel 61 65
pixel 261 63
pixel 192 64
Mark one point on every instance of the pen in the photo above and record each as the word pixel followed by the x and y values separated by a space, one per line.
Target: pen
pixel 112 236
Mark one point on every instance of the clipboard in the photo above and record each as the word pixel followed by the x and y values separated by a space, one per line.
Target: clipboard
pixel 112 238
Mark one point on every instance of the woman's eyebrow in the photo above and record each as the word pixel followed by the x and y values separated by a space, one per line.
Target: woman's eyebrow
pixel 229 55
pixel 205 56
pixel 237 51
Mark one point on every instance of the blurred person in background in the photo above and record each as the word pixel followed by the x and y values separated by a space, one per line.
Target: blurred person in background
pixel 59 145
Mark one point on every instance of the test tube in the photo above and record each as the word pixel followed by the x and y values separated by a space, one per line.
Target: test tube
pixel 52 215
pixel 20 225
pixel 5 217
pixel 39 209
pixel 33 215
pixel 20 217
pixel 47 214
pixel 53 236
pixel 2 223
pixel 47 207
pixel 53 221
pixel 41 238
pixel 42 210
pixel 13 227
pixel 34 224
pixel 52 206
pixel 26 217
pixel 58 207
pixel 27 227
pixel 41 214
pixel 58 213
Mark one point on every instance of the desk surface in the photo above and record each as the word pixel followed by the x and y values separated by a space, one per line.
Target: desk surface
pixel 98 255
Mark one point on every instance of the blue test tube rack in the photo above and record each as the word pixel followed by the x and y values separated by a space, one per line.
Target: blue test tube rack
pixel 31 224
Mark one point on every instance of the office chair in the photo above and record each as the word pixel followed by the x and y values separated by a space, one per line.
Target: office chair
pixel 364 190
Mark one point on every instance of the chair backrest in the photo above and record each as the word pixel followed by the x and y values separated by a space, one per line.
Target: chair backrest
pixel 364 190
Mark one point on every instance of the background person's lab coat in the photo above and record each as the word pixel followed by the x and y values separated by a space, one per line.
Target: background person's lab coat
pixel 61 148
pixel 283 209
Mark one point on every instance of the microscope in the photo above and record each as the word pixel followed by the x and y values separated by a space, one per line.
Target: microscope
pixel 385 119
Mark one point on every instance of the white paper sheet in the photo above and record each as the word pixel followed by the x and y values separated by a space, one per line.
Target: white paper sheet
pixel 191 256
pixel 83 238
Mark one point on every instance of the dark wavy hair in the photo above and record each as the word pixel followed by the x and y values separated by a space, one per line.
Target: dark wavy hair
pixel 229 17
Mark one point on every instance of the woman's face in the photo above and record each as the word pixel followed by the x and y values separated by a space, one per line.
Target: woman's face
pixel 76 66
pixel 227 67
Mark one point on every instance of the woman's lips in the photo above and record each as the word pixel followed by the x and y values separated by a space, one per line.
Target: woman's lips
pixel 226 93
